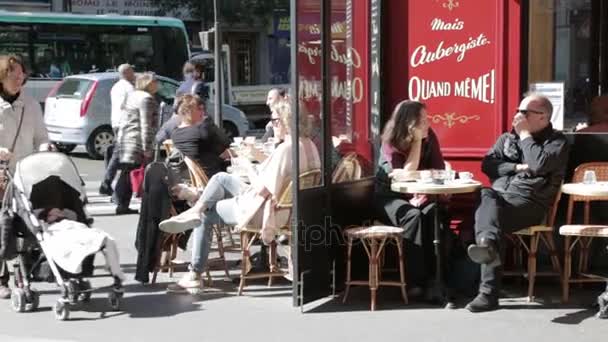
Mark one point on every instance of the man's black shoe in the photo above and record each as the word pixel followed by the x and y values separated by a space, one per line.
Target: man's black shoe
pixel 483 302
pixel 125 211
pixel 483 253
pixel 105 189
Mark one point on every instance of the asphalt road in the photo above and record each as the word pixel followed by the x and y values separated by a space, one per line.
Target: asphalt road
pixel 266 314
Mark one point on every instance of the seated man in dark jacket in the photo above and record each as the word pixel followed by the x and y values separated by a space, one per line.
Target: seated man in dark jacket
pixel 526 168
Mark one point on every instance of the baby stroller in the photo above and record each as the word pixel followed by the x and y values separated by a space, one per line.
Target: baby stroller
pixel 41 181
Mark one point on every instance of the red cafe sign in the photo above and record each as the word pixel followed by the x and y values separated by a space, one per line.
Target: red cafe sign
pixel 454 67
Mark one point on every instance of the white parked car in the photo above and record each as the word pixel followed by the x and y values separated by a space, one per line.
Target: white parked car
pixel 78 110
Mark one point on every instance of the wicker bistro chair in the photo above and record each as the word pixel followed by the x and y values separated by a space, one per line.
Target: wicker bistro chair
pixel 582 235
pixel 528 239
pixel 169 242
pixel 374 240
pixel 348 169
pixel 250 234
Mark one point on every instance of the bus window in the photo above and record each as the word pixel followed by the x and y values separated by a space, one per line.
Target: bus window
pixel 128 47
pixel 61 50
pixel 171 46
pixel 14 40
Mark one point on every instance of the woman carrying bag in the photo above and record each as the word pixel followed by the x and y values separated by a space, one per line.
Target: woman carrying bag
pixel 136 136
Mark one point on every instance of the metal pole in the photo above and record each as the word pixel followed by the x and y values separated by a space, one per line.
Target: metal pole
pixel 218 65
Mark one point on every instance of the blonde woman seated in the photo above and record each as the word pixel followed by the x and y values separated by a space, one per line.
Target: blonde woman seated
pixel 227 199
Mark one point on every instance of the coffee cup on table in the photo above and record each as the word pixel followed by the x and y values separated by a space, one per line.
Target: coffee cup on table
pixel 465 176
pixel 426 176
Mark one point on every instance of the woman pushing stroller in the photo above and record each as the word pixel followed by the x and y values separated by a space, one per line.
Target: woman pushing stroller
pixel 22 130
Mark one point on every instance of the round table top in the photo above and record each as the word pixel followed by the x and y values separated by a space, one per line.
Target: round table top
pixel 580 189
pixel 436 189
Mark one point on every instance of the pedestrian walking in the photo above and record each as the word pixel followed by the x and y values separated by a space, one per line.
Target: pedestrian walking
pixel 118 94
pixel 135 139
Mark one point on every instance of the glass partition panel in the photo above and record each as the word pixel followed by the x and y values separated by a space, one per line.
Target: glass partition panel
pixel 350 147
pixel 309 61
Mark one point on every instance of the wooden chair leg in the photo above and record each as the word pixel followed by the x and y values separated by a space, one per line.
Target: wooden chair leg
pixel 373 272
pixel 230 237
pixel 553 252
pixel 567 269
pixel 171 255
pixel 587 251
pixel 272 261
pixel 244 260
pixel 399 242
pixel 156 269
pixel 220 249
pixel 349 249
pixel 532 265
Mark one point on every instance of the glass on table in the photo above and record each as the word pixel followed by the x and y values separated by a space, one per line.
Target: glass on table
pixel 589 177
pixel 450 176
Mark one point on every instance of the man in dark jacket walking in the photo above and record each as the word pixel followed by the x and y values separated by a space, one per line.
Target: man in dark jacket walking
pixel 526 168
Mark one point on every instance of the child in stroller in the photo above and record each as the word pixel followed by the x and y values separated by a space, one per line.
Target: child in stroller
pixel 69 241
pixel 49 211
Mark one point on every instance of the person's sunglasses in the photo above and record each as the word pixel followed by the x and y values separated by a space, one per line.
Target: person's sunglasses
pixel 526 111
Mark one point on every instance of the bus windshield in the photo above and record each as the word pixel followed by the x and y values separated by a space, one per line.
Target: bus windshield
pixel 56 50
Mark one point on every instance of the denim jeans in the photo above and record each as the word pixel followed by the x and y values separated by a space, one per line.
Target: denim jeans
pixel 222 208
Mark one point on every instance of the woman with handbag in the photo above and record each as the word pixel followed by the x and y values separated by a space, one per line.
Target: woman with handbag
pixel 136 136
pixel 22 131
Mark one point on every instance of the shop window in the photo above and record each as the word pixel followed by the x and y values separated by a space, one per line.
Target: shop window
pixel 563 53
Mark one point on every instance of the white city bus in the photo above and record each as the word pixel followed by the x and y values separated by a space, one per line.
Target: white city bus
pixel 57 45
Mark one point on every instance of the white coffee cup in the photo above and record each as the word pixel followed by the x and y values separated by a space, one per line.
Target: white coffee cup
pixel 426 176
pixel 465 175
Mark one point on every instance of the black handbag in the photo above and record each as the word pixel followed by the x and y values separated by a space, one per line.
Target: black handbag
pixel 8 238
pixel 177 169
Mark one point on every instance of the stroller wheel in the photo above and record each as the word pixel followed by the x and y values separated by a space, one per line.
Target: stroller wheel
pixel 62 312
pixel 18 300
pixel 85 291
pixel 34 301
pixel 114 299
pixel 72 291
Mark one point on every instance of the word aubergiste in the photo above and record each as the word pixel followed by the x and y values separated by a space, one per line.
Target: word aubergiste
pixel 423 55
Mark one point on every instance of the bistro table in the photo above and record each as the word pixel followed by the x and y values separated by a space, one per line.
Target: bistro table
pixel 433 191
pixel 597 189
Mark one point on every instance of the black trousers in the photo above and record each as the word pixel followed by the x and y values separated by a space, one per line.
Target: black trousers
pixel 4 275
pixel 501 213
pixel 418 225
pixel 123 190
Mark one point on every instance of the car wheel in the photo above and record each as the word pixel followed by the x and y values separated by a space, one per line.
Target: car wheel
pixel 230 129
pixel 99 142
pixel 65 148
